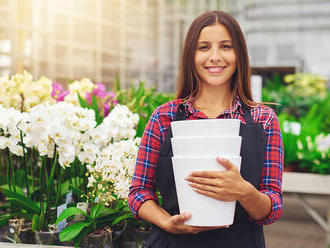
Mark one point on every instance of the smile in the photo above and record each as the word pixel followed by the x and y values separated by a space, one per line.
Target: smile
pixel 215 69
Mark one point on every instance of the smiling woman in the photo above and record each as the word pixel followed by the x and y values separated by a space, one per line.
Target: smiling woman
pixel 214 82
pixel 215 62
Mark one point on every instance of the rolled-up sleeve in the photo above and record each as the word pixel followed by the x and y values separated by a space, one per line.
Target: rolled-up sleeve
pixel 143 185
pixel 272 172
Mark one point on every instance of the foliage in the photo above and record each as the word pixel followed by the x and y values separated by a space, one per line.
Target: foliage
pixel 141 100
pixel 303 110
pixel 296 93
pixel 314 153
pixel 98 217
pixel 300 145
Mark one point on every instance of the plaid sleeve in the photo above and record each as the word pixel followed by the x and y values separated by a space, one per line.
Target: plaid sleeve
pixel 143 185
pixel 272 172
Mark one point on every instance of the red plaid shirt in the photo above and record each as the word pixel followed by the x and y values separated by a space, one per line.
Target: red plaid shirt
pixel 143 185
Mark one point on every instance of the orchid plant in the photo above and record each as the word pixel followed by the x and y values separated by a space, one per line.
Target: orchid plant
pixel 57 144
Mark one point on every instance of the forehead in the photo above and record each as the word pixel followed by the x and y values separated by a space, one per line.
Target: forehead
pixel 216 32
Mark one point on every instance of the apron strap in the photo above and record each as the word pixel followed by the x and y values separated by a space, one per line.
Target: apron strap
pixel 247 115
pixel 179 116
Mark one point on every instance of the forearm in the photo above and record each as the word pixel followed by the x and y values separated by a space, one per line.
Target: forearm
pixel 256 204
pixel 150 211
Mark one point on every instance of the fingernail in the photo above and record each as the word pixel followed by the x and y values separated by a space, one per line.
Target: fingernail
pixel 186 214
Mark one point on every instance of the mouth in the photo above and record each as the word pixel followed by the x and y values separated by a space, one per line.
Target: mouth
pixel 214 69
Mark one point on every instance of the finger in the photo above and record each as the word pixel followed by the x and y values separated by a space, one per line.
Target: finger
pixel 206 174
pixel 202 180
pixel 180 218
pixel 208 228
pixel 226 163
pixel 208 193
pixel 198 229
pixel 204 187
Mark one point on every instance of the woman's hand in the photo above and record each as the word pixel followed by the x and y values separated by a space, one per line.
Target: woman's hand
pixel 175 224
pixel 222 185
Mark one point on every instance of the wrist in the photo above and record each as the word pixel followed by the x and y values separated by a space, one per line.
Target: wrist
pixel 164 222
pixel 247 193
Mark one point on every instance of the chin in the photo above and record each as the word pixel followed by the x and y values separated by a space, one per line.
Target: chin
pixel 213 83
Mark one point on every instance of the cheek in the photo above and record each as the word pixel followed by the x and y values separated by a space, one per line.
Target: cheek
pixel 232 61
pixel 199 59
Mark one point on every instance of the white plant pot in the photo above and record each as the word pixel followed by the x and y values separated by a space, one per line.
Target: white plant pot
pixel 207 127
pixel 206 146
pixel 205 211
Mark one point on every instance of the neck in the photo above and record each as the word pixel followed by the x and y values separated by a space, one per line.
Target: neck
pixel 216 98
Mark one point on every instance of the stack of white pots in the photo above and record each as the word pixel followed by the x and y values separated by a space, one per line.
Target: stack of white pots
pixel 196 144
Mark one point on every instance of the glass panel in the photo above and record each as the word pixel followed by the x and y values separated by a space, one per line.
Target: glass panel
pixel 85 7
pixel 61 53
pixel 110 10
pixel 84 64
pixel 110 37
pixel 84 32
pixel 133 19
pixel 61 27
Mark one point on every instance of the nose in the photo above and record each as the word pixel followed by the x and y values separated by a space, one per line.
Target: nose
pixel 215 55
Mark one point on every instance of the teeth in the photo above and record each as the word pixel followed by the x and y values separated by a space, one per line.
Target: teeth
pixel 215 69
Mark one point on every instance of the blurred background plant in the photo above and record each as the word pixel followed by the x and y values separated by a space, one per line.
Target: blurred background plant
pixel 141 100
pixel 75 145
pixel 302 104
pixel 295 94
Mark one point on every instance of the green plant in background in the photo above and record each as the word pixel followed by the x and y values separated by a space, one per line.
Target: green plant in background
pixel 98 217
pixel 303 111
pixel 289 136
pixel 274 91
pixel 314 153
pixel 141 100
pixel 300 136
pixel 296 93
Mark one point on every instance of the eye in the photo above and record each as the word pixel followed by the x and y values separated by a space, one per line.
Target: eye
pixel 203 48
pixel 226 46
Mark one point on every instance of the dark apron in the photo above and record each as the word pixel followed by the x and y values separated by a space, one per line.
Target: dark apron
pixel 242 233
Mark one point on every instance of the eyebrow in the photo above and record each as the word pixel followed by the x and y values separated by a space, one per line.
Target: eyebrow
pixel 223 41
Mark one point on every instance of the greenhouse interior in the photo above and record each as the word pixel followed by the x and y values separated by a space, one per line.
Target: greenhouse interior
pixel 83 82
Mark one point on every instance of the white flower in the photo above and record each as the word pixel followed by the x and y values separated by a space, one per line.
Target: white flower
pixel 114 165
pixel 323 142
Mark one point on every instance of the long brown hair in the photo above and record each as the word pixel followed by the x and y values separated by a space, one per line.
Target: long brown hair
pixel 188 79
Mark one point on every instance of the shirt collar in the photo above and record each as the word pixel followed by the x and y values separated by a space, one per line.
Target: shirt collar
pixel 237 106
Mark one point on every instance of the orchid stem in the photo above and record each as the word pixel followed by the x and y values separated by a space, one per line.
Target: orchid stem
pixel 13 183
pixel 25 167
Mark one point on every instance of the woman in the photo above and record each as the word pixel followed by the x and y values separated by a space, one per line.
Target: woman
pixel 214 82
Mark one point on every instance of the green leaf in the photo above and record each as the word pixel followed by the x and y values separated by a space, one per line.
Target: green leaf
pixel 65 186
pixel 35 223
pixel 72 231
pixel 21 201
pixel 107 212
pixel 77 192
pixel 96 210
pixel 70 212
pixel 94 104
pixel 4 218
pixel 81 235
pixel 123 217
pixel 18 189
pixel 118 87
pixel 95 107
pixel 83 103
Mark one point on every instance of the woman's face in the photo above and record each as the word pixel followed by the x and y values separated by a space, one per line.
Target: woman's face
pixel 215 58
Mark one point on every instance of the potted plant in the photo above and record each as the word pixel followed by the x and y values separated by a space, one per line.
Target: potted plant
pixel 94 229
